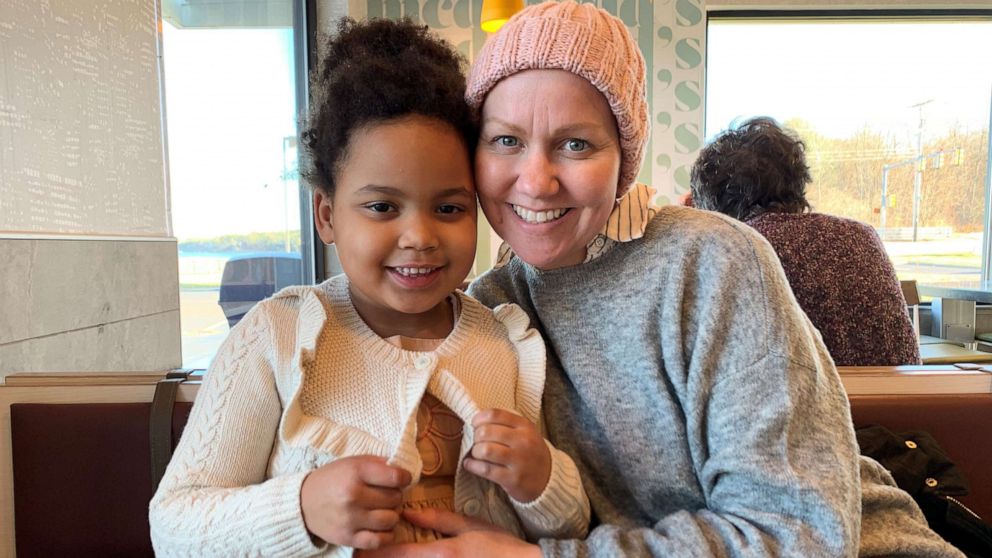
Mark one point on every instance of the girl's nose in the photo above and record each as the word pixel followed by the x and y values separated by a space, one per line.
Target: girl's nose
pixel 418 234
pixel 538 177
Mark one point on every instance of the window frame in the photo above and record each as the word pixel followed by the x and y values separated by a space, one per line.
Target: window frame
pixel 714 12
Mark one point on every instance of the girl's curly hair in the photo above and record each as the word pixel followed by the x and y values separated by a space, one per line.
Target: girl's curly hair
pixel 753 168
pixel 376 71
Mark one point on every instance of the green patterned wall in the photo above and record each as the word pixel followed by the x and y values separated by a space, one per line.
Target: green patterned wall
pixel 671 34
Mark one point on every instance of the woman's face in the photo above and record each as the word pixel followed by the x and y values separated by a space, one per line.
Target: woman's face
pixel 547 165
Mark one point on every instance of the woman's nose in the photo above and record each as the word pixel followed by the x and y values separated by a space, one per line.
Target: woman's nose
pixel 538 176
pixel 418 234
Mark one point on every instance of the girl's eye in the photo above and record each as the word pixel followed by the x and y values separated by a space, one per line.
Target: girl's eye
pixel 506 141
pixel 576 145
pixel 379 207
pixel 448 209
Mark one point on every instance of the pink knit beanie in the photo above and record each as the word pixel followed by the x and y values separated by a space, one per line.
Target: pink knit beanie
pixel 584 40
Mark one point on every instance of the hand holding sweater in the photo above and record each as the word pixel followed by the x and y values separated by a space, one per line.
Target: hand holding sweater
pixel 354 501
pixel 510 452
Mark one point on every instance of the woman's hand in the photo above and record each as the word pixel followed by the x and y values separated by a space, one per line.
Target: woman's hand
pixel 471 537
pixel 354 501
pixel 510 452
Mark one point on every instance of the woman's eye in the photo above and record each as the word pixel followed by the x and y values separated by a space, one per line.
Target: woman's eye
pixel 448 209
pixel 379 207
pixel 506 141
pixel 576 145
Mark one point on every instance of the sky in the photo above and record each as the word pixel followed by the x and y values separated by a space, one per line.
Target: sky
pixel 230 100
pixel 842 80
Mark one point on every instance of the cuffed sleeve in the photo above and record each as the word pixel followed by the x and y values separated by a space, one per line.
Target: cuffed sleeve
pixel 562 510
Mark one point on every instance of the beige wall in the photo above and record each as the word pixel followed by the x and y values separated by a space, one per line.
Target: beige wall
pixel 88 267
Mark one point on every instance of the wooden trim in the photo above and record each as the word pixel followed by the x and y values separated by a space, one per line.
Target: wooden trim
pixel 915 380
pixel 27 379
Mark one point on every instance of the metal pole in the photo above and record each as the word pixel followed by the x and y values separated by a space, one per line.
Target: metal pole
pixel 885 197
pixel 285 197
pixel 918 177
pixel 986 240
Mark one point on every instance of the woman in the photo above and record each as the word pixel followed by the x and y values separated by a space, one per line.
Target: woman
pixel 702 410
pixel 837 267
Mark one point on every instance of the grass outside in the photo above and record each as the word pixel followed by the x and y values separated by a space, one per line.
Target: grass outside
pixel 956 260
pixel 199 286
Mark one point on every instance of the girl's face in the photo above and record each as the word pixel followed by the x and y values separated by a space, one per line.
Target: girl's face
pixel 403 219
pixel 547 165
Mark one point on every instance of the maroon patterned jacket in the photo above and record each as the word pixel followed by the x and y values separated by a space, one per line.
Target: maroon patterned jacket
pixel 843 279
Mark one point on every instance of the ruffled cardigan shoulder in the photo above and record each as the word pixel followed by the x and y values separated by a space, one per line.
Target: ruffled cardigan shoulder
pixel 491 358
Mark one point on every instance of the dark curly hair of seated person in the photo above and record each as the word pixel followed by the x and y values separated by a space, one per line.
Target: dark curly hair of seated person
pixel 374 72
pixel 750 169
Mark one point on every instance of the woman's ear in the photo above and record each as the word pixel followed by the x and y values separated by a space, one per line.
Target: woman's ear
pixel 323 205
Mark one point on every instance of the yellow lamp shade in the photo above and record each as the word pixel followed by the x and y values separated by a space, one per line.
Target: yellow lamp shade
pixel 496 12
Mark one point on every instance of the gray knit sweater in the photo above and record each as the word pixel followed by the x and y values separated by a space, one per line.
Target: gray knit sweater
pixel 703 412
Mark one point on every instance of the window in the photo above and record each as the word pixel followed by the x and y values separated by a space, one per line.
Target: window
pixel 231 90
pixel 894 111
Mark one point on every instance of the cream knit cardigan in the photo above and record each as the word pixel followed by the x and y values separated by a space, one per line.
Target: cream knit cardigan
pixel 275 405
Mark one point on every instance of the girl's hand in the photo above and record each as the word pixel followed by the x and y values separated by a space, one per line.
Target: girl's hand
pixel 354 501
pixel 471 538
pixel 510 452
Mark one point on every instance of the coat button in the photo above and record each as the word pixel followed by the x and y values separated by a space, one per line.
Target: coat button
pixel 473 507
pixel 910 444
pixel 931 482
pixel 422 362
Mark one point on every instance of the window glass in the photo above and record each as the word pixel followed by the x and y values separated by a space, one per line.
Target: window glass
pixel 230 101
pixel 895 117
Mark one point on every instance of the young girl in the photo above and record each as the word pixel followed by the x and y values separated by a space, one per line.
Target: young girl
pixel 330 409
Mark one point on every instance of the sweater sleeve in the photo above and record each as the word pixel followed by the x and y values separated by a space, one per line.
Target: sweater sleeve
pixel 215 498
pixel 562 510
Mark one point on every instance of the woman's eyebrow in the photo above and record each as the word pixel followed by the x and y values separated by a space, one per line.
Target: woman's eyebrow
pixel 501 122
pixel 577 127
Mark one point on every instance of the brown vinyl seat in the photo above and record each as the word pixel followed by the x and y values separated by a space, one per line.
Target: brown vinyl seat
pixel 82 477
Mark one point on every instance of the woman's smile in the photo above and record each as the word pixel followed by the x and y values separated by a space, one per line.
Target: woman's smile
pixel 538 216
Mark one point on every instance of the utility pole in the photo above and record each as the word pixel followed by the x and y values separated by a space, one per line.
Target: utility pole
pixel 918 177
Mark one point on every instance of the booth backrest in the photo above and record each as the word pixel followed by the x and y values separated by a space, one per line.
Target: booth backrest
pixel 961 424
pixel 82 477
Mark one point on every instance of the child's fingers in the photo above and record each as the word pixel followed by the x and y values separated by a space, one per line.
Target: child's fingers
pixel 487 470
pixel 497 454
pixel 496 434
pixel 378 520
pixel 368 540
pixel 375 473
pixel 498 416
pixel 374 497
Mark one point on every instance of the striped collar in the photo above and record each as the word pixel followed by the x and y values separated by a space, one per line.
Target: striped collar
pixel 629 218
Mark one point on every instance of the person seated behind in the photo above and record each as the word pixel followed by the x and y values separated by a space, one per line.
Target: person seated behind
pixel 837 267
